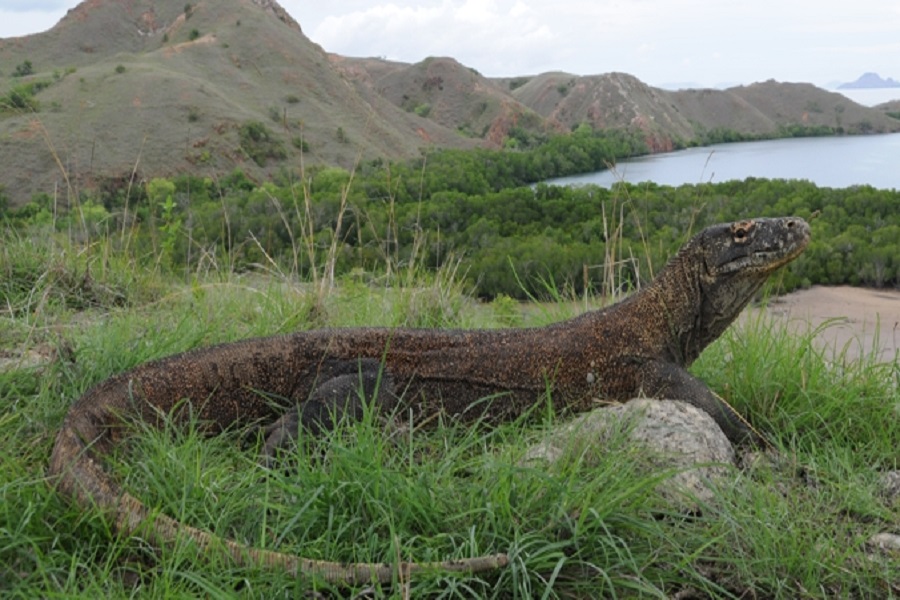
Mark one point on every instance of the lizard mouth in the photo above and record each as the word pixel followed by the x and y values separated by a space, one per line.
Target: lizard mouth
pixel 765 261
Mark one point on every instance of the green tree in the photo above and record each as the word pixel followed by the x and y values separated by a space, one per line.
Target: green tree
pixel 23 69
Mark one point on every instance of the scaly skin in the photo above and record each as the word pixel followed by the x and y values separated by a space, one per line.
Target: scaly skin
pixel 640 346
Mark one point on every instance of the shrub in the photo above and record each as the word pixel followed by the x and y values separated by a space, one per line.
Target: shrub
pixel 195 33
pixel 120 69
pixel 26 68
pixel 259 143
pixel 517 83
pixel 21 99
pixel 423 110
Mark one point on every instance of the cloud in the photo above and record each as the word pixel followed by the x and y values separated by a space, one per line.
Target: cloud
pixel 492 36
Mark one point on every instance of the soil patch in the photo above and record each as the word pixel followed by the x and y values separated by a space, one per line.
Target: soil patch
pixel 859 320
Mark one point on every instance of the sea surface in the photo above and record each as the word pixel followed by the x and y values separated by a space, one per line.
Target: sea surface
pixel 825 161
pixel 871 96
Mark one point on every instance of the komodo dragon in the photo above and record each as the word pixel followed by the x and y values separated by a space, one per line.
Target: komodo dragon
pixel 639 346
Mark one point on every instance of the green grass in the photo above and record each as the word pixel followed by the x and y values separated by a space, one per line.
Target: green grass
pixel 590 527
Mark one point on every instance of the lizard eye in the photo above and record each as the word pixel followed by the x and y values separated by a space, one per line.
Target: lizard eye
pixel 741 230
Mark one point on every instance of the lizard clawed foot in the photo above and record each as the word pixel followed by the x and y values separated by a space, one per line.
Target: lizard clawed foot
pixel 341 398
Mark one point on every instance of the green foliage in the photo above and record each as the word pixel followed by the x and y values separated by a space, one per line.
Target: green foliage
pixel 798 130
pixel 518 82
pixel 511 239
pixel 423 110
pixel 21 99
pixel 477 207
pixel 195 33
pixel 24 69
pixel 120 69
pixel 260 144
pixel 161 194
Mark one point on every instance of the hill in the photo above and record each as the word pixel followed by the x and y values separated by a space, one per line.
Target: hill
pixel 868 81
pixel 764 108
pixel 670 118
pixel 122 91
pixel 168 89
pixel 449 93
pixel 614 100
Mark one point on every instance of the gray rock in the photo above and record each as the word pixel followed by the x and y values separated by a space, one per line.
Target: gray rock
pixel 889 483
pixel 676 436
pixel 889 542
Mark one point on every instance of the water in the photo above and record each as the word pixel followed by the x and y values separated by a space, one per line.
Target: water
pixel 871 96
pixel 825 161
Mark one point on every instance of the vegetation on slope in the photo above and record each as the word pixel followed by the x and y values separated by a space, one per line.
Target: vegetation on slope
pixel 472 208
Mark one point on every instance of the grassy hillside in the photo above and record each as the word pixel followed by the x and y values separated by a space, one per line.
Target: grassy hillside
pixel 614 100
pixel 798 525
pixel 174 97
pixel 459 98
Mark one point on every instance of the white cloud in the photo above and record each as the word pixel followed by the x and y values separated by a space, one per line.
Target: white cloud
pixel 496 37
pixel 659 41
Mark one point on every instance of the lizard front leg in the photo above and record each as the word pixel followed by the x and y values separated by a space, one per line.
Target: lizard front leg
pixel 338 398
pixel 671 382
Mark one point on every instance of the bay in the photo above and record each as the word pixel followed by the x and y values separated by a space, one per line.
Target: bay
pixel 825 161
pixel 871 96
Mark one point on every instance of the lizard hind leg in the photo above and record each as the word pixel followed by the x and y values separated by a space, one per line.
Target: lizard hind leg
pixel 342 398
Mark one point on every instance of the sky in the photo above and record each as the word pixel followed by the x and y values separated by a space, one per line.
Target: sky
pixel 666 43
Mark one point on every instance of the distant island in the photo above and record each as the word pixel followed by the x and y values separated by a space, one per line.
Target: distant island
pixel 869 80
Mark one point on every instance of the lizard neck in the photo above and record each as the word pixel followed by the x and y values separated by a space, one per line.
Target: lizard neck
pixel 675 313
pixel 688 307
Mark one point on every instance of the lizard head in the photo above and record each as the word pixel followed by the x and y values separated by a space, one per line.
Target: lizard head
pixel 732 262
pixel 754 248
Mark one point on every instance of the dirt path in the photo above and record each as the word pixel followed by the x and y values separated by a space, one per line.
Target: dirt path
pixel 862 320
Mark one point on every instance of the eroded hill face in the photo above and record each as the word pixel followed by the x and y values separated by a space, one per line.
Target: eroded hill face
pixel 127 90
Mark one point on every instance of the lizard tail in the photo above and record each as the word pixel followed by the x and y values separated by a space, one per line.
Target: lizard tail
pixel 77 472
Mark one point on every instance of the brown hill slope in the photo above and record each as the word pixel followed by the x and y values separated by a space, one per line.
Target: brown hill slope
pixel 787 103
pixel 605 101
pixel 621 100
pixel 448 93
pixel 148 83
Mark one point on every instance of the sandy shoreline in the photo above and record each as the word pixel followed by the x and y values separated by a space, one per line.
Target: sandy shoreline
pixel 861 320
